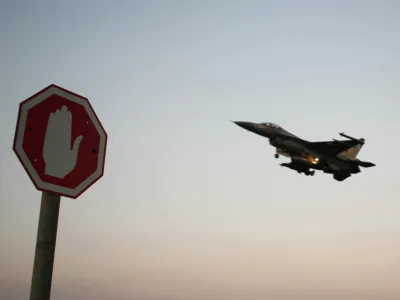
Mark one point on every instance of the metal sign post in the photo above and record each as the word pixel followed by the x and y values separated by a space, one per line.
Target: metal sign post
pixel 45 247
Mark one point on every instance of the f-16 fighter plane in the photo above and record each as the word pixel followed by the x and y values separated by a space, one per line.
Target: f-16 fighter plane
pixel 337 157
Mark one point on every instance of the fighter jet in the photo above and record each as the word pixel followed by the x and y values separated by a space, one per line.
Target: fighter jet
pixel 336 157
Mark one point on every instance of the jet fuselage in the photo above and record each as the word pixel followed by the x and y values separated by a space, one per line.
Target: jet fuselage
pixel 306 155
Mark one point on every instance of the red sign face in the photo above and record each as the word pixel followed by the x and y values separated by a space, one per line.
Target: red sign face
pixel 60 142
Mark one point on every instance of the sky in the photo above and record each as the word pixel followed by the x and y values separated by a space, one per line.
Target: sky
pixel 191 206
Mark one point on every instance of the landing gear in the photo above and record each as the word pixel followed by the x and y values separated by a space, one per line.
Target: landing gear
pixel 276 155
pixel 309 173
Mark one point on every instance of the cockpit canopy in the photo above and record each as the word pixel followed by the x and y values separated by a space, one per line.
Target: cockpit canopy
pixel 269 124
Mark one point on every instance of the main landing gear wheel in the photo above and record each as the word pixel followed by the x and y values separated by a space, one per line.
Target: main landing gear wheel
pixel 276 155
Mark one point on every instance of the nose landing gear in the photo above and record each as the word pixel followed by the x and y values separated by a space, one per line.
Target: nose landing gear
pixel 276 155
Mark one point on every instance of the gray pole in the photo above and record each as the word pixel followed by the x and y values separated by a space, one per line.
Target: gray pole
pixel 45 247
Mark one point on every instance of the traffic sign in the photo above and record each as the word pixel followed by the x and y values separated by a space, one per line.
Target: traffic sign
pixel 60 142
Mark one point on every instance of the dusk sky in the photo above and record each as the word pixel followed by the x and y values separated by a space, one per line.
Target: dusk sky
pixel 191 206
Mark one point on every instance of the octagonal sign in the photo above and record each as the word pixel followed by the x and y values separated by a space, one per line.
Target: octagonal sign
pixel 60 142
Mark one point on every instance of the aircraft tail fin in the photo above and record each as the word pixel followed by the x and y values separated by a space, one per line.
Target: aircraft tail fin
pixel 351 152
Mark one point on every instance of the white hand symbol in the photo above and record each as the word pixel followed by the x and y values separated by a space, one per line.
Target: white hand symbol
pixel 60 159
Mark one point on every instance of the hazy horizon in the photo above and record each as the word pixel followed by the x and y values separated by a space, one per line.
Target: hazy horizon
pixel 192 207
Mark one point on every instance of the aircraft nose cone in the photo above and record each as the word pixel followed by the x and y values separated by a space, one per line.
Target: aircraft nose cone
pixel 245 125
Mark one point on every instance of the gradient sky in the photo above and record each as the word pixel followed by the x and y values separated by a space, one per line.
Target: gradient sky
pixel 191 206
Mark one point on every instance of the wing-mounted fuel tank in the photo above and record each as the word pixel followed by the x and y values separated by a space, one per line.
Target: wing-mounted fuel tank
pixel 280 151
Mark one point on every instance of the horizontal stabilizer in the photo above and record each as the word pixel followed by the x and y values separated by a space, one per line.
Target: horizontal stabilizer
pixel 365 164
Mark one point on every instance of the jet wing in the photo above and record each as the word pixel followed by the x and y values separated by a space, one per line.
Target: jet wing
pixel 334 147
